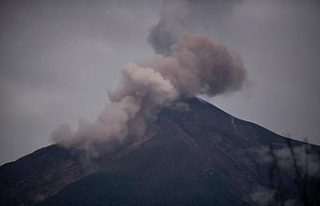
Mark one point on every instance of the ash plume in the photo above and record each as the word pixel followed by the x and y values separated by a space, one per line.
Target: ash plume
pixel 196 65
pixel 174 21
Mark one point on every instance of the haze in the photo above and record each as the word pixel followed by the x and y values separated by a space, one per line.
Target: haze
pixel 58 58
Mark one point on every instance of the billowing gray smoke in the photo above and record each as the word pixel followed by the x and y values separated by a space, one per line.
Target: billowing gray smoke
pixel 174 21
pixel 196 65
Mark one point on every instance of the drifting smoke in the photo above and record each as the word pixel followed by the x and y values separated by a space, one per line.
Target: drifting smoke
pixel 196 65
pixel 174 21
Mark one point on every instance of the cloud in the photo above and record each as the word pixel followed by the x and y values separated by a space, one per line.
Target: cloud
pixel 197 66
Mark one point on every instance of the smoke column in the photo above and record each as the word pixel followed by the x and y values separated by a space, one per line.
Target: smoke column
pixel 186 66
pixel 174 21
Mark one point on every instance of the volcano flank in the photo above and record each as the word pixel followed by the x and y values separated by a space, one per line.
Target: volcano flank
pixel 193 154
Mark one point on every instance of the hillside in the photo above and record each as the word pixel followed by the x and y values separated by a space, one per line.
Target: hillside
pixel 194 154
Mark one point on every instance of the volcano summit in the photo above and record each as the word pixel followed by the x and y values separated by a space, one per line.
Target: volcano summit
pixel 193 154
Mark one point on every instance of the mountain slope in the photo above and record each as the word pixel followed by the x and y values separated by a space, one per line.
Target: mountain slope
pixel 194 154
pixel 37 176
pixel 162 171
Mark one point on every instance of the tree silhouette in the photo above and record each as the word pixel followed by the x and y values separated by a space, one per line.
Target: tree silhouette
pixel 306 184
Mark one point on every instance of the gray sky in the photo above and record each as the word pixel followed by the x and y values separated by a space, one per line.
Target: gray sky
pixel 58 58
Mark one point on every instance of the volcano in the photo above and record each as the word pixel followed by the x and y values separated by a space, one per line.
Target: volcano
pixel 193 154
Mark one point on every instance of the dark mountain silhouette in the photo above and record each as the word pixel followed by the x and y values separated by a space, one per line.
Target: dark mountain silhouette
pixel 194 154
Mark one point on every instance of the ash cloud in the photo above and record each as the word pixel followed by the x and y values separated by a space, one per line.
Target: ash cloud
pixel 186 66
pixel 174 21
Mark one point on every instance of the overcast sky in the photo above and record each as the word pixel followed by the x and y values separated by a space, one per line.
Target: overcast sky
pixel 58 58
